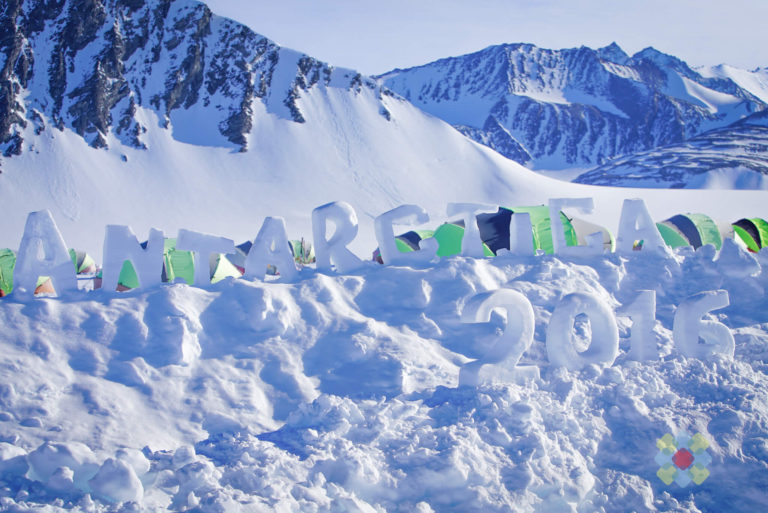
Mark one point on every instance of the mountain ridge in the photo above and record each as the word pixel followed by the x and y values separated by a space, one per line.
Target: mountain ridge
pixel 106 59
pixel 574 107
pixel 731 157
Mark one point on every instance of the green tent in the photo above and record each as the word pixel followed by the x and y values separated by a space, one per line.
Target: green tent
pixel 690 230
pixel 494 231
pixel 584 228
pixel 7 263
pixel 753 232
pixel 83 262
pixel 179 264
pixel 303 252
pixel 542 227
pixel 494 228
pixel 406 242
pixel 222 268
pixel 449 237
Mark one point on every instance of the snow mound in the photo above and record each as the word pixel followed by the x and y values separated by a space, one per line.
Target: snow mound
pixel 340 392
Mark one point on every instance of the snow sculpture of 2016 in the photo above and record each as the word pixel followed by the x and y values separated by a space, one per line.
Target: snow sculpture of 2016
pixel 642 311
pixel 689 326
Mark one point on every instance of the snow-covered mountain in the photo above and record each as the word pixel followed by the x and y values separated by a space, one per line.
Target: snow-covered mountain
pixel 578 107
pixel 91 66
pixel 733 157
pixel 138 113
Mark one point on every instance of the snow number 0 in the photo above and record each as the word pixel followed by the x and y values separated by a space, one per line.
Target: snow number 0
pixel 604 346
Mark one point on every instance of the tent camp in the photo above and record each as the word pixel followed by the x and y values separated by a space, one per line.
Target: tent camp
pixel 240 255
pixel 690 230
pixel 406 242
pixel 303 252
pixel 178 264
pixel 83 262
pixel 494 232
pixel 752 232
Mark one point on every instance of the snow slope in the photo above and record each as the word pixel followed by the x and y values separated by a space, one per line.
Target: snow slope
pixel 344 151
pixel 339 393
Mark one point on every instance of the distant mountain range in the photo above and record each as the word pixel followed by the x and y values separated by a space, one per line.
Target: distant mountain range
pixel 113 72
pixel 579 107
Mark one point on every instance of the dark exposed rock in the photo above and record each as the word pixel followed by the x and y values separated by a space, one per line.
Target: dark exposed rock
pixel 742 145
pixel 13 146
pixel 84 19
pixel 290 102
pixel 129 129
pixel 495 136
pixel 14 74
pixel 38 121
pixel 107 61
pixel 93 102
pixel 183 85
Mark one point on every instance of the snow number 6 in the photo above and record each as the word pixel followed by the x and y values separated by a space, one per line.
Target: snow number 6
pixel 689 326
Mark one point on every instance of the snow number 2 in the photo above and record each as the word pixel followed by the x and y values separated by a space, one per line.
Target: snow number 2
pixel 509 347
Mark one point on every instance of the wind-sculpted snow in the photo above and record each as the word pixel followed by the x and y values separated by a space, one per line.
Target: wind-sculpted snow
pixel 340 393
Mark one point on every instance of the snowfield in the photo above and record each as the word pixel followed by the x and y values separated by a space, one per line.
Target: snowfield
pixel 340 393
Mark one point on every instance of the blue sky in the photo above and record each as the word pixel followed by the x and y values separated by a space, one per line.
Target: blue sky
pixel 376 36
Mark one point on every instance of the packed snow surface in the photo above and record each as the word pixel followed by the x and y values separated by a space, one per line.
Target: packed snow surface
pixel 340 392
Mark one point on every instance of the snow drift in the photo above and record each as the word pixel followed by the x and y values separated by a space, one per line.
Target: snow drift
pixel 340 393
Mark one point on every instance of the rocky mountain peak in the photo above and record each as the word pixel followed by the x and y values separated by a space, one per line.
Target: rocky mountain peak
pixel 574 107
pixel 94 65
pixel 613 53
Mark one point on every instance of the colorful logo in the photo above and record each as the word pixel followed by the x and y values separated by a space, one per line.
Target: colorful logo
pixel 683 459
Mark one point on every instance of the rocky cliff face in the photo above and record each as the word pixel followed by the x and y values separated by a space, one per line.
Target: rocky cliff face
pixel 576 107
pixel 733 157
pixel 92 65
